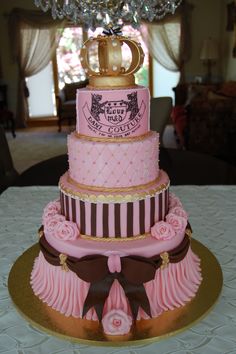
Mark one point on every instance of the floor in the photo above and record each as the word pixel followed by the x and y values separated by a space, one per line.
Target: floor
pixel 33 145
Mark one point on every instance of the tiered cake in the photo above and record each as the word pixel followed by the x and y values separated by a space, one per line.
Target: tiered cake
pixel 116 246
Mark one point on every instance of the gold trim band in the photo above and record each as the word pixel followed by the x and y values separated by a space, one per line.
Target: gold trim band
pixel 111 190
pixel 109 198
pixel 113 140
pixel 115 239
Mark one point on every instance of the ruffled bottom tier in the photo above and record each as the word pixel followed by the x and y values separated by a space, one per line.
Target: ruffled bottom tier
pixel 65 292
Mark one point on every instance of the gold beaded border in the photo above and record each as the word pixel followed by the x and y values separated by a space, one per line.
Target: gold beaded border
pixel 115 239
pixel 114 140
pixel 111 190
pixel 112 198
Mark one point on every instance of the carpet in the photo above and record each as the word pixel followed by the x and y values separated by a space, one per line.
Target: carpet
pixel 31 147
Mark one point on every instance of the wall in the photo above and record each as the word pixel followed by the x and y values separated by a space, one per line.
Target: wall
pixel 208 19
pixel 205 22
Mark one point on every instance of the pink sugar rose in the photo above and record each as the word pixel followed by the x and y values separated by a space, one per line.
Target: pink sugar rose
pixel 177 222
pixel 51 209
pixel 51 222
pixel 66 230
pixel 162 231
pixel 174 201
pixel 179 211
pixel 116 322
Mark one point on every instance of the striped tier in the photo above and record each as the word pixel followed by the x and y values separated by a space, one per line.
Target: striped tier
pixel 115 213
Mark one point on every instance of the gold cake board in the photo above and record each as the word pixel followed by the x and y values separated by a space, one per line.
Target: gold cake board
pixel 90 332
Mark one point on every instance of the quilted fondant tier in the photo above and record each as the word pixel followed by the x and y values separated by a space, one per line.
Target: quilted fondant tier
pixel 113 113
pixel 113 164
pixel 115 215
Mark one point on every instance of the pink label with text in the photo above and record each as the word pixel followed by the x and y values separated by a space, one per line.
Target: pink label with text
pixel 113 113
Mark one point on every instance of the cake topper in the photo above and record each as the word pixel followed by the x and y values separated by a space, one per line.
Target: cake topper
pixel 110 71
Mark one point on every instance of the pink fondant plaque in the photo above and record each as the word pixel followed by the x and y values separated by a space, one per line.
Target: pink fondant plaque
pixel 113 113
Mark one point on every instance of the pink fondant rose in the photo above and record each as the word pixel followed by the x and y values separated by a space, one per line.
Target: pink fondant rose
pixel 51 222
pixel 66 230
pixel 177 222
pixel 162 231
pixel 52 209
pixel 174 201
pixel 179 211
pixel 116 322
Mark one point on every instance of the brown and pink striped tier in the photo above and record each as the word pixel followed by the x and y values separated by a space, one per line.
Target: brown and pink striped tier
pixel 115 214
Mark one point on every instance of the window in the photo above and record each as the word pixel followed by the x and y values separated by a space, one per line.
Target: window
pixel 164 81
pixel 68 63
pixel 41 101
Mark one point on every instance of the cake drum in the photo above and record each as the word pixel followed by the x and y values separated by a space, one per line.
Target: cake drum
pixel 90 332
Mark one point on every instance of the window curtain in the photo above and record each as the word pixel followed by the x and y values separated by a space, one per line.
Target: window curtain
pixel 34 38
pixel 168 40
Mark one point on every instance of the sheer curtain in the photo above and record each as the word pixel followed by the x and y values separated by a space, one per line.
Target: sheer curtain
pixel 168 40
pixel 34 38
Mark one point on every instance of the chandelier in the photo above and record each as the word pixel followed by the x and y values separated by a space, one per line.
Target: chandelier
pixel 103 13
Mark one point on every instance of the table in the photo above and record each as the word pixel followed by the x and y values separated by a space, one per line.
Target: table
pixel 183 167
pixel 212 213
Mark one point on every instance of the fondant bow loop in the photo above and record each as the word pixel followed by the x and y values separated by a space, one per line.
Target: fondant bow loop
pixel 137 269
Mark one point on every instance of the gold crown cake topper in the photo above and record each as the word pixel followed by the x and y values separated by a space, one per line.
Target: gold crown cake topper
pixel 110 72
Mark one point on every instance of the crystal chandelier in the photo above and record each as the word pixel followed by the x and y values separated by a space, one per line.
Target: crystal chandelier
pixel 103 13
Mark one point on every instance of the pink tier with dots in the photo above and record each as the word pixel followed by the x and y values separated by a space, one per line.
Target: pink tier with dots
pixel 114 163
pixel 113 214
pixel 113 113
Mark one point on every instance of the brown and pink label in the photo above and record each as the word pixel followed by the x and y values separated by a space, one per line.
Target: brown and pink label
pixel 113 113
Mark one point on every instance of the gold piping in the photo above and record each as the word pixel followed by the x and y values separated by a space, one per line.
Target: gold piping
pixel 115 239
pixel 111 190
pixel 112 198
pixel 113 140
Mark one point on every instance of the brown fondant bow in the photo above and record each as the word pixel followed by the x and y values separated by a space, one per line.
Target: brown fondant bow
pixel 135 271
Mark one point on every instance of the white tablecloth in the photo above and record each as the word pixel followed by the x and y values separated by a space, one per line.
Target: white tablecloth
pixel 212 213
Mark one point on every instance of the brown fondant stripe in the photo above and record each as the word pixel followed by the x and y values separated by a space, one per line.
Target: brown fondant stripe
pixel 160 207
pixel 142 216
pixel 67 213
pixel 94 219
pixel 130 219
pixel 152 211
pixel 166 201
pixel 105 220
pixel 82 217
pixel 73 208
pixel 117 220
pixel 62 203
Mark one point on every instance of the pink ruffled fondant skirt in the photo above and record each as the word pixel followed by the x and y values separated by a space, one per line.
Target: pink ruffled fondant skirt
pixel 63 291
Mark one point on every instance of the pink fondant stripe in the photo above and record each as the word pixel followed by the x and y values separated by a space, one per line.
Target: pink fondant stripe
pixel 147 215
pixel 99 220
pixel 136 218
pixel 123 219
